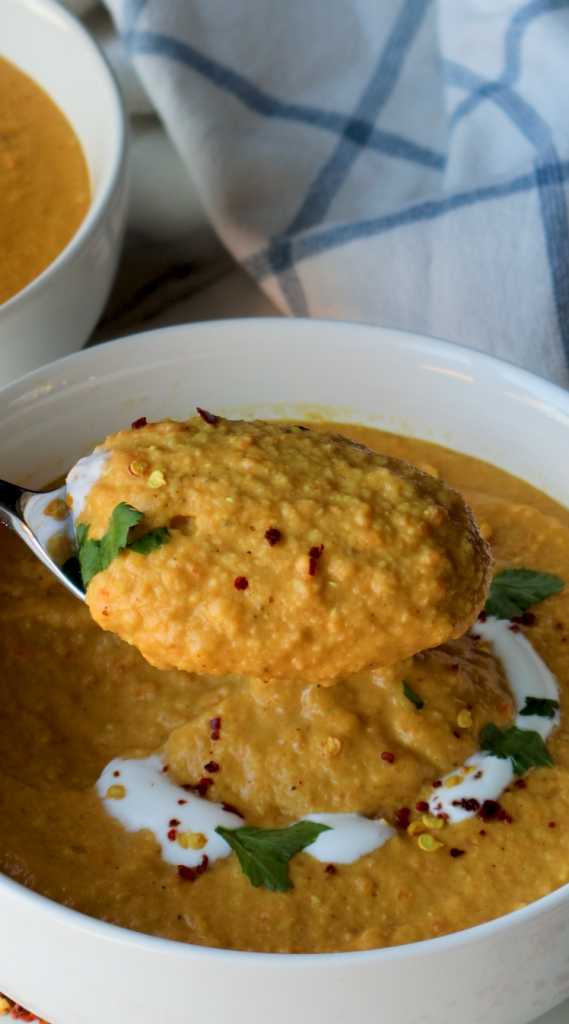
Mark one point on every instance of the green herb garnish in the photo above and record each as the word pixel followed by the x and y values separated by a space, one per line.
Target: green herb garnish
pixel 524 746
pixel 542 706
pixel 150 541
pixel 264 853
pixel 514 590
pixel 409 693
pixel 96 555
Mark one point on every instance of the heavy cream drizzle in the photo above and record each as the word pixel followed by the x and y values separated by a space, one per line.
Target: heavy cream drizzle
pixel 83 477
pixel 484 777
pixel 151 801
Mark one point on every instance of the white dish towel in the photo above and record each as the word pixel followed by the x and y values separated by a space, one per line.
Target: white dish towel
pixel 401 162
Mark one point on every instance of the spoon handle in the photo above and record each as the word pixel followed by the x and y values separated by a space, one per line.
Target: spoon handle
pixel 10 495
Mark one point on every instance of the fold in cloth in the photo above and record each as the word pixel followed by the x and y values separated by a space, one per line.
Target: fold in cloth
pixel 402 163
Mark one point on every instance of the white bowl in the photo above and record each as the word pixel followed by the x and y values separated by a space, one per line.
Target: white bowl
pixel 56 312
pixel 71 969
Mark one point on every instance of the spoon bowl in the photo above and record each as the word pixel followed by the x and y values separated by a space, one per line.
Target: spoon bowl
pixel 43 521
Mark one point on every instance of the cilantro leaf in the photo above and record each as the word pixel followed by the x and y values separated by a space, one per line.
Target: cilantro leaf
pixel 96 555
pixel 514 590
pixel 542 706
pixel 115 539
pixel 264 853
pixel 150 541
pixel 524 746
pixel 409 693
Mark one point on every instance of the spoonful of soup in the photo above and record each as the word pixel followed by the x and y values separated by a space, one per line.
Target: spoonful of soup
pixel 220 546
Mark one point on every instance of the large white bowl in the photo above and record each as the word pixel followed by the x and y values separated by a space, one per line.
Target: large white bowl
pixel 71 969
pixel 56 312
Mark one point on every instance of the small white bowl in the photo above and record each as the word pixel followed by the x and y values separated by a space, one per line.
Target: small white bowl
pixel 56 312
pixel 71 969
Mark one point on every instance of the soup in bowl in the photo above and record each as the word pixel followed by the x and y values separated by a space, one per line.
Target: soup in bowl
pixel 431 878
pixel 63 184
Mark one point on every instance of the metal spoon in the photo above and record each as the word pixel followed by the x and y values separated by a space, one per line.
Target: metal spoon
pixel 25 513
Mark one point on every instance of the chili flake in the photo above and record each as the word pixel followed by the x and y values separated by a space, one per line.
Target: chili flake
pixel 272 536
pixel 140 422
pixel 241 583
pixel 207 416
pixel 490 810
pixel 233 810
pixel 552 824
pixel 187 874
pixel 386 756
pixel 402 817
pixel 456 853
pixel 173 822
pixel 422 807
pixel 211 766
pixel 172 834
pixel 330 869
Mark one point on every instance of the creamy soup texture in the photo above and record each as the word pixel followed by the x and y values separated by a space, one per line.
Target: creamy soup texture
pixel 44 181
pixel 87 721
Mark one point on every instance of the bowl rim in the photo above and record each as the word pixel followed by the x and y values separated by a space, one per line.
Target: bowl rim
pixel 118 133
pixel 557 399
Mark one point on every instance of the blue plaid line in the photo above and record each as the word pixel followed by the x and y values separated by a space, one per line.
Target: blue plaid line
pixel 388 143
pixel 512 56
pixel 553 202
pixel 307 246
pixel 358 130
pixel 131 11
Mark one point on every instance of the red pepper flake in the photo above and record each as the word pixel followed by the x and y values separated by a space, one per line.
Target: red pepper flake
pixel 215 723
pixel 330 869
pixel 482 832
pixel 241 583
pixel 202 868
pixel 515 629
pixel 436 784
pixel 458 736
pixel 490 810
pixel 214 735
pixel 105 612
pixel 166 768
pixel 187 874
pixel 116 774
pixel 313 556
pixel 552 824
pixel 272 536
pixel 18 1013
pixel 456 853
pixel 559 625
pixel 140 422
pixel 422 807
pixel 182 801
pixel 527 619
pixel 207 416
pixel 200 789
pixel 467 803
pixel 211 766
pixel 172 834
pixel 173 823
pixel 402 817
pixel 233 810
pixel 478 775
pixel 520 784
pixel 386 756
pixel 483 616
pixel 443 815
pixel 454 668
